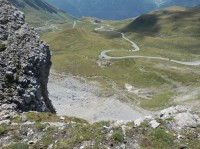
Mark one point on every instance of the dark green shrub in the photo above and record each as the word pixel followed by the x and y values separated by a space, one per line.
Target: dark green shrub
pixel 161 139
pixel 17 146
pixel 3 129
pixel 2 47
pixel 40 126
pixel 117 136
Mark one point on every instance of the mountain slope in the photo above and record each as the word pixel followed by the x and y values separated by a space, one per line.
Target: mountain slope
pixel 38 12
pixel 171 33
pixel 169 21
pixel 166 3
pixel 112 9
pixel 116 9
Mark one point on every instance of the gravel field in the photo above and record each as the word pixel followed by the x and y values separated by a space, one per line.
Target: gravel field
pixel 72 97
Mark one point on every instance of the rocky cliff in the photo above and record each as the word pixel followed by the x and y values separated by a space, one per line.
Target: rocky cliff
pixel 24 64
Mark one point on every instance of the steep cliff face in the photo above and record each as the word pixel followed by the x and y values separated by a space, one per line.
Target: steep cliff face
pixel 24 64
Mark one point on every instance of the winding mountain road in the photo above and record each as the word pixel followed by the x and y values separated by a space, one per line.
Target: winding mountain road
pixel 74 25
pixel 104 55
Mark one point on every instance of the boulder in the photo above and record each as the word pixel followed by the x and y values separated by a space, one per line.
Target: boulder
pixel 186 119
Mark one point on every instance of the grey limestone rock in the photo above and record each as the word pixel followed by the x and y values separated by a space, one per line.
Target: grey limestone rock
pixel 24 63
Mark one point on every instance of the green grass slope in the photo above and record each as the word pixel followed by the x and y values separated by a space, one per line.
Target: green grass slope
pixel 39 12
pixel 172 32
pixel 168 21
pixel 76 51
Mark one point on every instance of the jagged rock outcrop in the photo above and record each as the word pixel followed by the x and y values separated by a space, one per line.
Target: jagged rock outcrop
pixel 24 64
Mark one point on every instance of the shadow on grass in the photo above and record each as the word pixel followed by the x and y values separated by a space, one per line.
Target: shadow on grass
pixel 109 35
pixel 145 24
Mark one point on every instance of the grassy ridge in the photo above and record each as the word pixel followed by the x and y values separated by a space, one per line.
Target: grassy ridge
pixel 172 32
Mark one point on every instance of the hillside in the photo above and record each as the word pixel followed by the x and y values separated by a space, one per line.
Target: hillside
pixel 167 3
pixel 39 12
pixel 167 22
pixel 111 10
pixel 174 29
pixel 102 89
pixel 157 34
pixel 116 9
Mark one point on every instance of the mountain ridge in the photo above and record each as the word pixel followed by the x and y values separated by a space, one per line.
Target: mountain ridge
pixel 116 9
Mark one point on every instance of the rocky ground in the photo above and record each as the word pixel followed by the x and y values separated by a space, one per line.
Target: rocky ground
pixel 73 97
pixel 174 127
